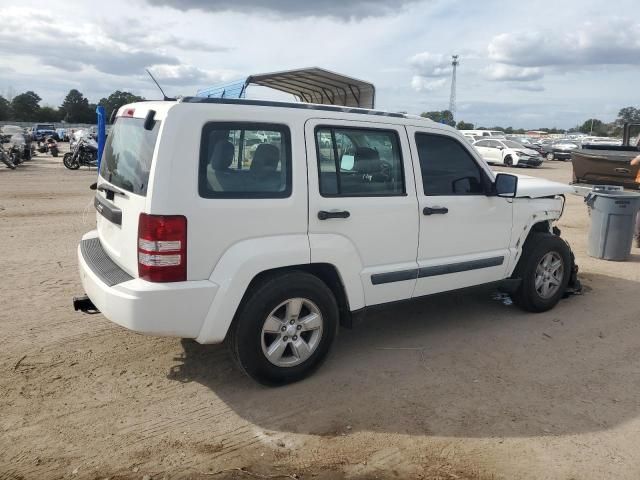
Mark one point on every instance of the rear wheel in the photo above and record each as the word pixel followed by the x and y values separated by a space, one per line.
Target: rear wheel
pixel 550 156
pixel 54 152
pixel 545 269
pixel 5 159
pixel 284 328
pixel 69 162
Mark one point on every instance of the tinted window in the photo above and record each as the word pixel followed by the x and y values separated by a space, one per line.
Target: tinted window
pixel 447 167
pixel 241 160
pixel 482 143
pixel 359 162
pixel 126 161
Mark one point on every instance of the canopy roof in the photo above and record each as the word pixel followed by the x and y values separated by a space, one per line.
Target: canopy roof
pixel 309 85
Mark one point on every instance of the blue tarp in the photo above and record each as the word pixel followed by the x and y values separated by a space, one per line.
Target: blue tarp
pixel 102 131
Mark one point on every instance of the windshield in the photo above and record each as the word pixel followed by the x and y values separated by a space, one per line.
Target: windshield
pixel 512 144
pixel 127 157
pixel 44 127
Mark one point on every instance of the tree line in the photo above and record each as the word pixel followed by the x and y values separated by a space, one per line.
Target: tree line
pixel 75 108
pixel 591 126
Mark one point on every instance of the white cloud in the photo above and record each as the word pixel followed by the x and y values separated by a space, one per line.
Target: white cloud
pixel 427 64
pixel 421 84
pixel 502 72
pixel 189 75
pixel 613 41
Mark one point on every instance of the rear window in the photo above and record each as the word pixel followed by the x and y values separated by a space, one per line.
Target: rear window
pixel 126 161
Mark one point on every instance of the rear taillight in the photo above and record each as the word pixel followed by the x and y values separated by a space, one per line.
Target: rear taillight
pixel 162 248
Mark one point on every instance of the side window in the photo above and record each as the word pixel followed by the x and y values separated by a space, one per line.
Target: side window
pixel 244 160
pixel 359 162
pixel 482 143
pixel 447 167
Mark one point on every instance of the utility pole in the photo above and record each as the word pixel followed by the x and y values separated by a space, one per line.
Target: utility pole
pixel 452 98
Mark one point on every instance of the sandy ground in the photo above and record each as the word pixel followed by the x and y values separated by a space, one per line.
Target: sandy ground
pixel 449 387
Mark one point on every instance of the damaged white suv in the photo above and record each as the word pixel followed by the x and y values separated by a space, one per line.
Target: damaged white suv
pixel 267 225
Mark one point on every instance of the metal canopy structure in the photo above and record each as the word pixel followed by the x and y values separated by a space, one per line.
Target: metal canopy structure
pixel 309 85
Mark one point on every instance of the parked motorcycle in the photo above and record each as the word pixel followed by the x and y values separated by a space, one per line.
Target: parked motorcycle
pixel 17 148
pixel 52 146
pixel 4 158
pixel 84 153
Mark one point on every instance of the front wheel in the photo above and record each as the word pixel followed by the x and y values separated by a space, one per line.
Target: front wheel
pixel 284 328
pixel 69 162
pixel 550 156
pixel 4 159
pixel 508 161
pixel 544 268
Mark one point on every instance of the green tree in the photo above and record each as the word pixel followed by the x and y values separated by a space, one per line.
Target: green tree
pixel 49 114
pixel 628 115
pixel 462 125
pixel 595 126
pixel 444 116
pixel 116 100
pixel 5 108
pixel 76 109
pixel 25 107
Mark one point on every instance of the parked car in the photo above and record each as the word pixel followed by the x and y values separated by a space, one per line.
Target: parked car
pixel 507 152
pixel 40 131
pixel 271 255
pixel 558 150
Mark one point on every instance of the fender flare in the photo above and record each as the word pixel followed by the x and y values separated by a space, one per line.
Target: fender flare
pixel 243 261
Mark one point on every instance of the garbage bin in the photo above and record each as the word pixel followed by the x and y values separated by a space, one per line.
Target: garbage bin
pixel 613 216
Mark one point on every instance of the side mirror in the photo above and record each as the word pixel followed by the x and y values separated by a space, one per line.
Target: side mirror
pixel 506 185
pixel 500 147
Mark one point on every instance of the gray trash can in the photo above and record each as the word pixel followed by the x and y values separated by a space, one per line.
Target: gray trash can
pixel 613 218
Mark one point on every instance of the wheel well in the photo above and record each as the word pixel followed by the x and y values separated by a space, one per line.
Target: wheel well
pixel 544 227
pixel 325 272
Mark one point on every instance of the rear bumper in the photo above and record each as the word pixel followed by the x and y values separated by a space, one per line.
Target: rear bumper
pixel 167 309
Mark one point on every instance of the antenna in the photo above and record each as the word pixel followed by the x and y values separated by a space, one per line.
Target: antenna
pixel 164 96
pixel 452 98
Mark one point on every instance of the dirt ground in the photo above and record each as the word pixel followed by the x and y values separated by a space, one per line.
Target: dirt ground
pixel 456 386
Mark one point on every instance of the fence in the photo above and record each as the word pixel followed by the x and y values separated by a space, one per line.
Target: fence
pixel 55 124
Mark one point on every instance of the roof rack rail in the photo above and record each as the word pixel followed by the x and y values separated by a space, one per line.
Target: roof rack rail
pixel 304 106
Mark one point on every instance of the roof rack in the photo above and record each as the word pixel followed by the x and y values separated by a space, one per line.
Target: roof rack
pixel 304 106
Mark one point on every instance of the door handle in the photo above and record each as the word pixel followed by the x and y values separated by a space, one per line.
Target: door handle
pixel 622 170
pixel 324 215
pixel 435 210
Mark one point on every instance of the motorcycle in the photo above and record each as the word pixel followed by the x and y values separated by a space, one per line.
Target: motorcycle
pixel 4 158
pixel 85 153
pixel 18 149
pixel 52 146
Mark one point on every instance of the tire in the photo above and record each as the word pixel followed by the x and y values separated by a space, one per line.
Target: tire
pixel 538 248
pixel 6 161
pixel 69 163
pixel 508 161
pixel 54 152
pixel 272 298
pixel 550 156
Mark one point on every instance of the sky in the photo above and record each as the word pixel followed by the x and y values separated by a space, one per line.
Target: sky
pixel 523 64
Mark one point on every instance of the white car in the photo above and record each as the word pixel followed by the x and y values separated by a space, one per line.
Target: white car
pixel 507 152
pixel 273 249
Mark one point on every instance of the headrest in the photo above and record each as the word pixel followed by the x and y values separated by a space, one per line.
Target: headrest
pixel 266 158
pixel 222 155
pixel 366 160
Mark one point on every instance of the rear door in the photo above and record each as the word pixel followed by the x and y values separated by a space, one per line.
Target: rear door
pixel 464 230
pixel 363 211
pixel 122 186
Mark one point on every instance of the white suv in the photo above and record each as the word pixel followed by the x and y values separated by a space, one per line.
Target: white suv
pixel 269 224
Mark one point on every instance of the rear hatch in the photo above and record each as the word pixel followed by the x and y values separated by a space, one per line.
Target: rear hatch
pixel 125 170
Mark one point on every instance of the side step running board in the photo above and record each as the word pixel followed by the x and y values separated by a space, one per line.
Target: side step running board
pixel 84 304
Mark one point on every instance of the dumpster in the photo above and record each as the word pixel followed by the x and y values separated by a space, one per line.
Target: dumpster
pixel 613 214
